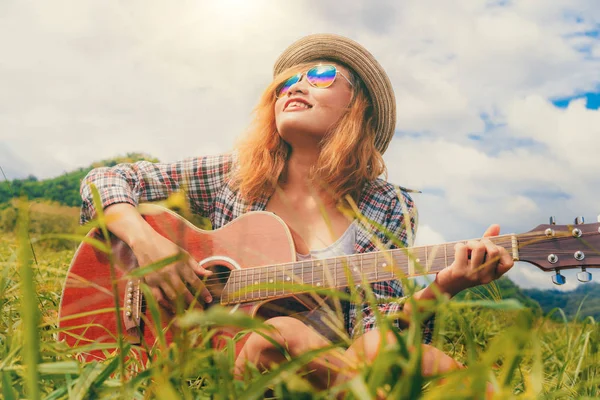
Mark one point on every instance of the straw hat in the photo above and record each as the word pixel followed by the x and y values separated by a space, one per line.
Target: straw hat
pixel 352 54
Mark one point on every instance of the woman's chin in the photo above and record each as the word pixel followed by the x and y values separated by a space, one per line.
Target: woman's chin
pixel 291 132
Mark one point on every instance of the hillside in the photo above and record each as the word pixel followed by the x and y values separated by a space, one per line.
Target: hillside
pixel 585 295
pixel 63 189
pixel 503 288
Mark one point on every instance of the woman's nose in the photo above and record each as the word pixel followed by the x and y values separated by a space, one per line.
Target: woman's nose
pixel 299 86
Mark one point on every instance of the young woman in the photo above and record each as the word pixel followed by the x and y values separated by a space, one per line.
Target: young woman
pixel 314 149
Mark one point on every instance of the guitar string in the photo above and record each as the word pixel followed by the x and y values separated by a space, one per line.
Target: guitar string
pixel 383 254
pixel 387 255
pixel 508 244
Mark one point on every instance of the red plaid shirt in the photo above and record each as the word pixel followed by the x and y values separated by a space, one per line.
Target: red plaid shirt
pixel 207 182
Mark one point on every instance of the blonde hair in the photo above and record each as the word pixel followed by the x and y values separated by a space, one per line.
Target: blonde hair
pixel 348 157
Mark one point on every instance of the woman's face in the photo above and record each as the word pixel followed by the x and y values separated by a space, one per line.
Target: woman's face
pixel 306 113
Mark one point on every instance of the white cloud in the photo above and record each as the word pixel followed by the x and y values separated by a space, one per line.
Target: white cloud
pixel 83 80
pixel 428 236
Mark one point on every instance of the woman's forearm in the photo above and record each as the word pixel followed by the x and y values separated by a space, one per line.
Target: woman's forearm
pixel 125 222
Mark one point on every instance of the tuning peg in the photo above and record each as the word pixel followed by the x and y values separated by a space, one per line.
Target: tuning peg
pixel 553 220
pixel 579 220
pixel 584 276
pixel 559 279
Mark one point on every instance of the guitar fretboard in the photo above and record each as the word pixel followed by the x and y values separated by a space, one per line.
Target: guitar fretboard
pixel 274 281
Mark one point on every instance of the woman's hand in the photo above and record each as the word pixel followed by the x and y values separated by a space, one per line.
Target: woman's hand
pixel 181 278
pixel 477 262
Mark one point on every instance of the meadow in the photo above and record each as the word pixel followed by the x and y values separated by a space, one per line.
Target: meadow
pixel 522 354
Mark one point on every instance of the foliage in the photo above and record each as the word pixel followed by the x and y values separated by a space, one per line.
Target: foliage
pixel 521 353
pixel 44 218
pixel 503 288
pixel 63 189
pixel 582 302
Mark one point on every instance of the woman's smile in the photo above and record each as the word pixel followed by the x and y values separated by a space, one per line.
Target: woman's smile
pixel 295 104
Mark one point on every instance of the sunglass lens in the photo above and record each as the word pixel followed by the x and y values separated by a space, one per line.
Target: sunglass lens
pixel 321 76
pixel 283 89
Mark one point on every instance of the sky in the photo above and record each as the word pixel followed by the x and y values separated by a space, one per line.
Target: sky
pixel 498 101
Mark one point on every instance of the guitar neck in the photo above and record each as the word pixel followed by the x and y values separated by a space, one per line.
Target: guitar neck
pixel 278 281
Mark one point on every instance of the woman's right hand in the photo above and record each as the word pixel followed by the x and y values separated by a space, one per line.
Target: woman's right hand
pixel 178 279
pixel 181 278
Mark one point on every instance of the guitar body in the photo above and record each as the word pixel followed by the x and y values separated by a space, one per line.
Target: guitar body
pixel 87 312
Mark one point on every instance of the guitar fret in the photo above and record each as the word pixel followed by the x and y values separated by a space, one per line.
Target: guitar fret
pixel 304 281
pixel 297 274
pixel 245 287
pixel 335 279
pixel 271 282
pixel 323 274
pixel 290 278
pixel 233 287
pixel 278 280
pixel 376 273
pixel 282 283
pixel 259 279
pixel 446 255
pixel 252 284
pixel 362 271
pixel 239 286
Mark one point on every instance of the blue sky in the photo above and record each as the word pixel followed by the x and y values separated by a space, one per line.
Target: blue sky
pixel 592 100
pixel 498 102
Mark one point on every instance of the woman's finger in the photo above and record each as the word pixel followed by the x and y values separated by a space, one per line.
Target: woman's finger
pixel 477 254
pixel 492 253
pixel 189 274
pixel 505 263
pixel 198 269
pixel 492 230
pixel 461 254
pixel 162 300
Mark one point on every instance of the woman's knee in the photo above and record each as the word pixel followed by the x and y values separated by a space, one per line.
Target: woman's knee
pixel 434 361
pixel 280 333
pixel 368 346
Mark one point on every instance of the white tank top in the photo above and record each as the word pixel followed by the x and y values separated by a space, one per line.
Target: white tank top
pixel 321 318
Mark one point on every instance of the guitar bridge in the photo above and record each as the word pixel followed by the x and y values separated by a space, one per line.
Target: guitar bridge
pixel 132 308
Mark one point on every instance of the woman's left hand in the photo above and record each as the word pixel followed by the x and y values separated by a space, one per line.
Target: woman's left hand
pixel 487 262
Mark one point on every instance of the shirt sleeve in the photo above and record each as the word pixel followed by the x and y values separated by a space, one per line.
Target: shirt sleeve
pixel 390 296
pixel 143 181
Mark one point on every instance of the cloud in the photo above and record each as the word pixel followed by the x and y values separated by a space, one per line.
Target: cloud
pixel 476 130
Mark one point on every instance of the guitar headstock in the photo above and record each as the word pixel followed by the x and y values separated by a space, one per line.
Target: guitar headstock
pixel 554 247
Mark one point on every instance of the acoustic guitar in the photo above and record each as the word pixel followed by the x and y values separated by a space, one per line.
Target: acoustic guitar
pixel 255 270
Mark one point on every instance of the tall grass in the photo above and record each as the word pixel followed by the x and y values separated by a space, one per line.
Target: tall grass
pixel 501 342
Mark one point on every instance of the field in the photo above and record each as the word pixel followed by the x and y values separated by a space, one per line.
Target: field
pixel 501 342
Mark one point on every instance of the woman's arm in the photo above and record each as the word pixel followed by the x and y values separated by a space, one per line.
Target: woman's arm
pixel 123 186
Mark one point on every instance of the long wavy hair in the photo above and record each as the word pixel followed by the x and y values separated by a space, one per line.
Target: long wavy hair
pixel 348 157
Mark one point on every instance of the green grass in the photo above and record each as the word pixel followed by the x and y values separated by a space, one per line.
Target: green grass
pixel 520 354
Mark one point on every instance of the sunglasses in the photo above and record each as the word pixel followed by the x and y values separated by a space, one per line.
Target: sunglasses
pixel 320 76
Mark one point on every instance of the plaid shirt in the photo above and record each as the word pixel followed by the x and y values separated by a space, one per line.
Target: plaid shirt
pixel 207 182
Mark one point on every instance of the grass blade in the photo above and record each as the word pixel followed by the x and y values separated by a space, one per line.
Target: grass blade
pixel 29 308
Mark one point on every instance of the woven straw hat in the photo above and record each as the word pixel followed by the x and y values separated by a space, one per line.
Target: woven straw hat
pixel 355 56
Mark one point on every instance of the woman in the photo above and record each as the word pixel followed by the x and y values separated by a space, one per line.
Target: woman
pixel 314 149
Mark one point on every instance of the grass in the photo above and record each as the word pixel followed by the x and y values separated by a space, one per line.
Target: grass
pixel 521 355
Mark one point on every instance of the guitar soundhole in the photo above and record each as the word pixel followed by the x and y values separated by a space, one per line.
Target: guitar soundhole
pixel 216 282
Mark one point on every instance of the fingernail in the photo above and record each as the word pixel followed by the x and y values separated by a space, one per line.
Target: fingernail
pixel 208 299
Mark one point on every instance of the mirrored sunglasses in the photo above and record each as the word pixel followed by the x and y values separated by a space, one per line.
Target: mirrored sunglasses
pixel 320 76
